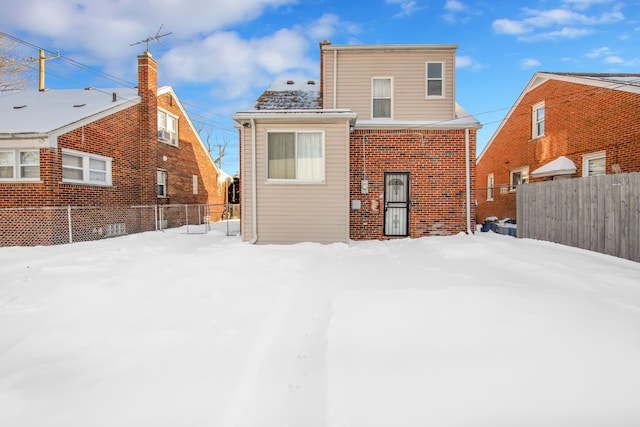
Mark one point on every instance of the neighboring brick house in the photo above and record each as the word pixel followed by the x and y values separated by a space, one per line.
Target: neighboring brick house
pixel 563 125
pixel 377 149
pixel 103 147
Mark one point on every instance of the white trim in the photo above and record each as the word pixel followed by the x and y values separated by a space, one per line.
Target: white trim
pixel 165 184
pixel 86 168
pixel 586 158
pixel 535 122
pixel 524 170
pixel 426 80
pixel 491 183
pixel 16 165
pixel 268 180
pixel 391 98
pixel 169 115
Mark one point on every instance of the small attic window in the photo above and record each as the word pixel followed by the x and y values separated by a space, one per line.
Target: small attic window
pixel 290 82
pixel 79 105
pixel 17 107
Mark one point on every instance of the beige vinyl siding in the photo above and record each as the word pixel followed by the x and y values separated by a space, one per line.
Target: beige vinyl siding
pixel 355 68
pixel 297 212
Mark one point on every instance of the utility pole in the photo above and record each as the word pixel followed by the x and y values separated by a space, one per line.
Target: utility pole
pixel 41 59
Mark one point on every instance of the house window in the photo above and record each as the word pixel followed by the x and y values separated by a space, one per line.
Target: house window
pixel 295 156
pixel 167 128
pixel 537 121
pixel 435 79
pixel 594 164
pixel 490 187
pixel 162 183
pixel 83 168
pixel 517 177
pixel 381 95
pixel 19 165
pixel 195 184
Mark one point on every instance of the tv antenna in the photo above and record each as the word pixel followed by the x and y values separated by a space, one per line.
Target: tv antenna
pixel 152 38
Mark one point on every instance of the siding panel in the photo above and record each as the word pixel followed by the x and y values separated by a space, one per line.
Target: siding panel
pixel 290 213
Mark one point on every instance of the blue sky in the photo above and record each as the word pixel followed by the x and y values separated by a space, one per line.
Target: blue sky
pixel 222 54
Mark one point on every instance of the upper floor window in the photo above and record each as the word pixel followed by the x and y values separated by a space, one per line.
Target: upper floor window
pixel 490 184
pixel 594 164
pixel 19 165
pixel 435 79
pixel 84 168
pixel 295 156
pixel 381 95
pixel 537 122
pixel 167 128
pixel 517 177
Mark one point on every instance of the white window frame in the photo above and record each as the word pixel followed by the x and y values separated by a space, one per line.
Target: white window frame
pixel 390 98
pixel 164 120
pixel 427 79
pixel 17 166
pixel 86 168
pixel 490 187
pixel 295 180
pixel 524 173
pixel 535 122
pixel 587 158
pixel 162 178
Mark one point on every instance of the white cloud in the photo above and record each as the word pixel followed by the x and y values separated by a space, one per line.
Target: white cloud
pixel 457 12
pixel 467 62
pixel 598 52
pixel 327 26
pixel 454 6
pixel 237 64
pixel 557 23
pixel 529 63
pixel 407 7
pixel 508 26
pixel 613 60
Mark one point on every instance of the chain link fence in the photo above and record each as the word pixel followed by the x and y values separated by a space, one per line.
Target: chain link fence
pixel 44 226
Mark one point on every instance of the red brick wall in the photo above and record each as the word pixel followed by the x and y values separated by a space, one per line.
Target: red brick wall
pixel 114 136
pixel 187 159
pixel 579 120
pixel 435 160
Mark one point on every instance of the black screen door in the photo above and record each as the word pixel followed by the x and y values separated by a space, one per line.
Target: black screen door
pixel 396 203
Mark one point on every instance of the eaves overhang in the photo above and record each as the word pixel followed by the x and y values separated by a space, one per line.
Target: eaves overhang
pixel 296 115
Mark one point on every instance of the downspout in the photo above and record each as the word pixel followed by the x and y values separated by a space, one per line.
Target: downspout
pixel 468 179
pixel 254 179
pixel 335 76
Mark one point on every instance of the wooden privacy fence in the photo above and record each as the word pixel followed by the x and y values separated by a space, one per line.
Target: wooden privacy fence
pixel 600 213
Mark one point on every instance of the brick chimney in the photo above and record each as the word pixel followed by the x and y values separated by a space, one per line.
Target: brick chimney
pixel 148 90
pixel 322 45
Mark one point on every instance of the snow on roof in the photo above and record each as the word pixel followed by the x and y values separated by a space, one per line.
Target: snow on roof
pixel 560 166
pixel 290 95
pixel 47 111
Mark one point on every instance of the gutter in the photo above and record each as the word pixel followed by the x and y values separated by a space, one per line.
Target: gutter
pixel 468 179
pixel 254 181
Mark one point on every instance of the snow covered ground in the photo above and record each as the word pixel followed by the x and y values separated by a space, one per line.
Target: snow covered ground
pixel 174 329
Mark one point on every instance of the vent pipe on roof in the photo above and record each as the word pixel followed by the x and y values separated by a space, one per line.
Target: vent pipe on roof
pixel 114 97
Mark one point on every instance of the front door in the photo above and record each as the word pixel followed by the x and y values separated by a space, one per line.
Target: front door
pixel 396 203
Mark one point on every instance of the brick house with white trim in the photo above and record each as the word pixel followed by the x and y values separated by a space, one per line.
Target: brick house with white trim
pixel 377 149
pixel 563 125
pixel 102 147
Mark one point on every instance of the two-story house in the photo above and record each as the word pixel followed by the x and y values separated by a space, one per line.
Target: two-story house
pixel 377 148
pixel 563 125
pixel 99 147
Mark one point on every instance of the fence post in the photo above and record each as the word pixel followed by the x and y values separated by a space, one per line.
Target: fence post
pixel 70 225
